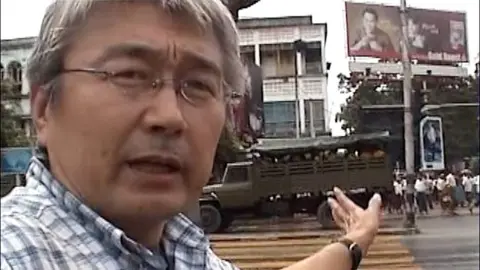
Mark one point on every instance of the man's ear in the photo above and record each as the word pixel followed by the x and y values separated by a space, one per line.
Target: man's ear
pixel 39 104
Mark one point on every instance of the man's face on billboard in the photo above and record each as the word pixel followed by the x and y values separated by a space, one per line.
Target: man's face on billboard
pixel 369 22
pixel 412 28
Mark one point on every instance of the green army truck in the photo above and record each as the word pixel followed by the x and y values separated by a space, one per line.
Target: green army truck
pixel 289 176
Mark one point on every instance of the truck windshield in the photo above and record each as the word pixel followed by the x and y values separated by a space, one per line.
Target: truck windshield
pixel 236 174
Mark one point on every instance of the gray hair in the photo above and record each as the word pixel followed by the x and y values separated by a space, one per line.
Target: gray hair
pixel 62 18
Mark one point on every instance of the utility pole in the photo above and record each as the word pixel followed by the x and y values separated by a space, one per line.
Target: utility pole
pixel 407 113
pixel 311 115
pixel 297 105
pixel 299 47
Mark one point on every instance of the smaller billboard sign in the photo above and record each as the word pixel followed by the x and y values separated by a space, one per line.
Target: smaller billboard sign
pixel 432 156
pixel 433 35
pixel 15 160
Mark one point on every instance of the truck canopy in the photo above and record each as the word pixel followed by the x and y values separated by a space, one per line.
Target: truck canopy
pixel 279 146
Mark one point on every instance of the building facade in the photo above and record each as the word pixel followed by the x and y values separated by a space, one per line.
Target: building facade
pixel 14 55
pixel 269 43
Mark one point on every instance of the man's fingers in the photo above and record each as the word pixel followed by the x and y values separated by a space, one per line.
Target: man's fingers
pixel 338 213
pixel 345 202
pixel 375 202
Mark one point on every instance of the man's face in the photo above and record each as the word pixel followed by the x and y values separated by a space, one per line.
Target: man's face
pixel 369 23
pixel 412 28
pixel 137 153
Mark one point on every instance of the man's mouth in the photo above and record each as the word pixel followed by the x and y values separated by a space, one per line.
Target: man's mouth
pixel 156 164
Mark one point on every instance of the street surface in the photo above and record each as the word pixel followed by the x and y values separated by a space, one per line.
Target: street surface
pixel 277 250
pixel 446 243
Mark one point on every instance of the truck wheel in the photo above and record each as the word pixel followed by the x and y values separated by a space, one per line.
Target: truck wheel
pixel 324 216
pixel 211 218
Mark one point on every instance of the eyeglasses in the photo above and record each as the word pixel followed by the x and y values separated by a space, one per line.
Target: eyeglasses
pixel 196 90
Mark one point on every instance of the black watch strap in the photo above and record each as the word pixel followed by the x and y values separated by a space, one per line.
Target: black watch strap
pixel 354 250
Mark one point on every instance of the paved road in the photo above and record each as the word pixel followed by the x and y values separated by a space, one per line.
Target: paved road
pixel 269 251
pixel 446 243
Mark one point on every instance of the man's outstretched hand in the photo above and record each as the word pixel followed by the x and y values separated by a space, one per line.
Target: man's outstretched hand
pixel 360 225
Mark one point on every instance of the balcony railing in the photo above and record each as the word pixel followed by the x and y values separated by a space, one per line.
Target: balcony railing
pixel 284 88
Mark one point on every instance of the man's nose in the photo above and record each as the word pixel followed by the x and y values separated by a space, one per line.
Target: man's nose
pixel 164 113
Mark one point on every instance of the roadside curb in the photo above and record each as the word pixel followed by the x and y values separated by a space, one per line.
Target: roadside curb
pixel 400 231
pixel 462 212
pixel 306 235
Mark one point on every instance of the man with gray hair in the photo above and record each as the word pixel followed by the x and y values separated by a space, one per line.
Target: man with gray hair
pixel 129 102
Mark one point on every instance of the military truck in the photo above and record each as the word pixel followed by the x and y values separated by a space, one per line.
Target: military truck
pixel 288 176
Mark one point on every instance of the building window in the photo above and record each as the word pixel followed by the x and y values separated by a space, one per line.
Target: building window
pixel 313 58
pixel 279 118
pixel 277 60
pixel 15 71
pixel 318 115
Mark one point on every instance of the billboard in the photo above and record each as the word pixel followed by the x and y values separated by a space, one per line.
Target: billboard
pixel 16 160
pixel 247 109
pixel 433 36
pixel 432 156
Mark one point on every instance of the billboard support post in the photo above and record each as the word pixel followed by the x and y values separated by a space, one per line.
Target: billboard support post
pixel 407 113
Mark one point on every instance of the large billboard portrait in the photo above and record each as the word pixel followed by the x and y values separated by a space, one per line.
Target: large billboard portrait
pixel 436 36
pixel 431 144
pixel 373 30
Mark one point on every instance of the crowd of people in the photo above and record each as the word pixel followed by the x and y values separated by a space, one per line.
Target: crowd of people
pixel 448 190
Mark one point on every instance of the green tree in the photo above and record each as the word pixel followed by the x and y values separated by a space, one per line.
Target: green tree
pixel 12 135
pixel 460 124
pixel 363 93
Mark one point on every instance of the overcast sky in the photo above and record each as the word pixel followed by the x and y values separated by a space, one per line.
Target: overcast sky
pixel 21 18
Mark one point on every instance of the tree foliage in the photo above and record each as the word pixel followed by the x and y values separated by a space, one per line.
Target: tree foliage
pixel 12 135
pixel 460 124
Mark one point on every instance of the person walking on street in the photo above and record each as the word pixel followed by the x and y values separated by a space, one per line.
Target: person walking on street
pixel 440 184
pixel 398 202
pixel 421 196
pixel 129 101
pixel 476 180
pixel 429 192
pixel 467 183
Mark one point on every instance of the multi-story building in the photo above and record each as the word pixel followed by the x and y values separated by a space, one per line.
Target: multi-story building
pixel 14 54
pixel 269 43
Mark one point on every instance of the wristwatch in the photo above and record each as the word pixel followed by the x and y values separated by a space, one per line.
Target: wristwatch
pixel 354 250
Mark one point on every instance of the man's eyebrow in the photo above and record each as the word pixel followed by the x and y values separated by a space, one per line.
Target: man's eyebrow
pixel 129 49
pixel 199 61
pixel 146 52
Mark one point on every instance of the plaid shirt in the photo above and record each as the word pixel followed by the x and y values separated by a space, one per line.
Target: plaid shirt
pixel 44 226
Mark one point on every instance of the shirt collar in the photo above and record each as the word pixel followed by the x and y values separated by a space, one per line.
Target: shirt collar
pixel 179 230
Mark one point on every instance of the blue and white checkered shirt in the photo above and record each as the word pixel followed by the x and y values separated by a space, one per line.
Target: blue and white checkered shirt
pixel 44 226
